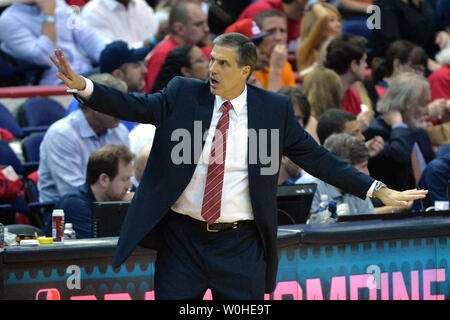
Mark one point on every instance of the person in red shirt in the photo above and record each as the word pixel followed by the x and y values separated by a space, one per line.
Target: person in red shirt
pixel 346 55
pixel 188 25
pixel 294 10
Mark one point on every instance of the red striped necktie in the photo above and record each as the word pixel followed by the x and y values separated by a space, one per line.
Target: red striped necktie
pixel 212 197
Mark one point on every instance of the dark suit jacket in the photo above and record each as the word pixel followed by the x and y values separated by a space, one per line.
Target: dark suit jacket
pixel 181 103
pixel 393 164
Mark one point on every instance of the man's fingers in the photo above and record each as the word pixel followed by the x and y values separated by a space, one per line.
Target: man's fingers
pixel 55 62
pixel 66 80
pixel 63 64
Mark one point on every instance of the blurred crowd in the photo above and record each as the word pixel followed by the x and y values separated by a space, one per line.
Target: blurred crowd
pixel 368 79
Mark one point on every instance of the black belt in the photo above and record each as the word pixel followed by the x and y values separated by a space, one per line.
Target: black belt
pixel 215 227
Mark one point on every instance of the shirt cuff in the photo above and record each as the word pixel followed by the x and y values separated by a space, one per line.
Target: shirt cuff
pixel 372 187
pixel 87 92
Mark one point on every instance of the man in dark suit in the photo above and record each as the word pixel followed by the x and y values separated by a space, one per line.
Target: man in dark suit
pixel 210 208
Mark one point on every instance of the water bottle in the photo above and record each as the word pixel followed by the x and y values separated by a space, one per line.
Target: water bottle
pixel 448 190
pixel 332 212
pixel 321 212
pixel 69 233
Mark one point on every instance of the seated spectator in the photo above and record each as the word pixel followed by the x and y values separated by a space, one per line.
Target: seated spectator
pixel 407 148
pixel 30 32
pixel 404 56
pixel 68 143
pixel 293 10
pixel 108 178
pixel 289 171
pixel 188 25
pixel 435 179
pixel 405 20
pixel 125 64
pixel 323 89
pixel 139 165
pixel 185 61
pixel 132 21
pixel 322 22
pixel 346 55
pixel 353 151
pixel 401 56
pixel 273 70
pixel 341 121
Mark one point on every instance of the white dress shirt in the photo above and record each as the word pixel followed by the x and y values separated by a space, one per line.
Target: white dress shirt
pixel 236 203
pixel 112 21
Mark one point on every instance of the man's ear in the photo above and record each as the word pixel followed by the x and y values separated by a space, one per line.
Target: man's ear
pixel 117 73
pixel 246 71
pixel 396 65
pixel 178 28
pixel 103 180
pixel 353 65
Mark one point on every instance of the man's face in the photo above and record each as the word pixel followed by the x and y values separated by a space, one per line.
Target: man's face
pixel 105 121
pixel 196 27
pixel 362 167
pixel 278 27
pixel 415 116
pixel 360 69
pixel 133 74
pixel 199 64
pixel 227 78
pixel 352 128
pixel 117 188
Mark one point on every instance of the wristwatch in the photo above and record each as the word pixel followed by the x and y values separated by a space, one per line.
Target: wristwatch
pixel 48 19
pixel 378 186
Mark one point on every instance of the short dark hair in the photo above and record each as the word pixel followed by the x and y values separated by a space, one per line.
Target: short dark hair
pixel 106 160
pixel 179 13
pixel 333 121
pixel 259 18
pixel 347 147
pixel 246 49
pixel 299 99
pixel 342 50
pixel 403 50
pixel 175 60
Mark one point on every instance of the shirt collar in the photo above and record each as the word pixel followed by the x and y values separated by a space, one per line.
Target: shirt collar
pixel 238 102
pixel 85 129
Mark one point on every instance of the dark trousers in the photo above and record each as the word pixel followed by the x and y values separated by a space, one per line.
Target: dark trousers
pixel 191 259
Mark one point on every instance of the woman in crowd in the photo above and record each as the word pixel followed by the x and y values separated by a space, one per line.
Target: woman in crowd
pixel 320 23
pixel 186 61
pixel 323 90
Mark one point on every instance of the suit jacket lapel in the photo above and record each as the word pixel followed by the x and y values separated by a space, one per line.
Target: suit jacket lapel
pixel 255 121
pixel 202 120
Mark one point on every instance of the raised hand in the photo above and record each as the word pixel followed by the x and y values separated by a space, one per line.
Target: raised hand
pixel 71 79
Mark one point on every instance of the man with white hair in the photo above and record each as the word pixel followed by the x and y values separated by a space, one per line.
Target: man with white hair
pixel 407 147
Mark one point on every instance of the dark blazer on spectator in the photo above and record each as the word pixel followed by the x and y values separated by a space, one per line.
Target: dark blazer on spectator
pixel 393 164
